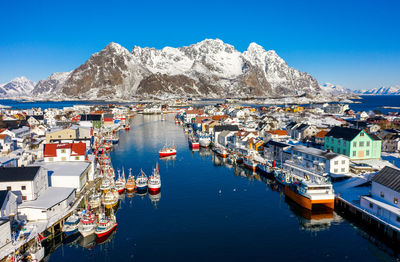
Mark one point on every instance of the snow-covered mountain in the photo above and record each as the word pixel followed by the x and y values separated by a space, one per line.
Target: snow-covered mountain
pixel 20 86
pixel 51 85
pixel 392 90
pixel 210 68
pixel 335 89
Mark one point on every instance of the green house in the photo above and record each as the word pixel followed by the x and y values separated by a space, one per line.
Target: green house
pixel 354 143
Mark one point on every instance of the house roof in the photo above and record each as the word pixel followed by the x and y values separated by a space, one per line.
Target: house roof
pixel 315 152
pixel 277 144
pixel 3 136
pixel 51 197
pixel 321 134
pixel 77 149
pixel 195 112
pixel 374 137
pixel 347 134
pixel 13 174
pixel 389 177
pixel 278 132
pixel 226 127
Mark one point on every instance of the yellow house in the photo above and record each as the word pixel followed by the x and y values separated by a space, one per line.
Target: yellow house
pixel 67 133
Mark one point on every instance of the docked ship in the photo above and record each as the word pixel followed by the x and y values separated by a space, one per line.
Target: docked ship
pixel 110 199
pixel 106 226
pixel 106 185
pixel 193 142
pixel 204 141
pixel 120 183
pixel 87 224
pixel 250 164
pixel 167 151
pixel 309 194
pixel 95 201
pixel 141 182
pixel 154 182
pixel 222 152
pixel 71 225
pixel 130 182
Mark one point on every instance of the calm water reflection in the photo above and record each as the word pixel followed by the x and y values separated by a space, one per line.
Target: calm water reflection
pixel 211 210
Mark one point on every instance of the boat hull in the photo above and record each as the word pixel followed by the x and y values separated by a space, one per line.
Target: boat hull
pixel 250 167
pixel 106 233
pixel 167 154
pixel 306 202
pixel 154 190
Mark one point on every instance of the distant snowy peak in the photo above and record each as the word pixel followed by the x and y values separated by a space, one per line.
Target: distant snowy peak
pixel 392 90
pixel 335 89
pixel 51 85
pixel 20 86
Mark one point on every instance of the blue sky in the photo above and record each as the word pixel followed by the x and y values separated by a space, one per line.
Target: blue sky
pixel 352 43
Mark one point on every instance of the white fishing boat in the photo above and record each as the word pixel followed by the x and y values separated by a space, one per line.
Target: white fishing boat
pixel 141 182
pixel 71 224
pixel 87 224
pixel 154 182
pixel 110 199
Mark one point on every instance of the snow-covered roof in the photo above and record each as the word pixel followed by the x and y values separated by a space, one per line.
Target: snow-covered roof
pixel 51 197
pixel 65 168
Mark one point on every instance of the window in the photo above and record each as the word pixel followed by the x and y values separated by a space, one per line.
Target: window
pixel 77 158
pixel 371 205
pixel 9 188
pixel 63 158
pixel 23 187
pixel 382 194
pixel 335 170
pixel 343 162
pixel 354 144
pixel 367 143
pixel 336 163
pixel 342 169
pixel 367 152
pixel 59 136
pixel 361 143
pixel 362 134
pixel 51 159
pixel 354 153
pixel 63 151
pixel 397 218
pixel 24 198
pixel 395 200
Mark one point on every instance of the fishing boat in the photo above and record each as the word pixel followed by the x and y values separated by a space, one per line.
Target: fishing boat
pixel 120 183
pixel 105 185
pixel 115 140
pixel 71 225
pixel 141 182
pixel 250 164
pixel 154 182
pixel 167 151
pixel 222 152
pixel 265 168
pixel 127 127
pixel 282 177
pixel 130 182
pixel 87 224
pixel 309 194
pixel 95 200
pixel 110 199
pixel 106 226
pixel 35 252
pixel 193 142
pixel 204 140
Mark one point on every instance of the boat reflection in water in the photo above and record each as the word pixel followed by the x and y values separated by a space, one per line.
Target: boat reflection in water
pixel 155 199
pixel 204 152
pixel 316 220
pixel 168 158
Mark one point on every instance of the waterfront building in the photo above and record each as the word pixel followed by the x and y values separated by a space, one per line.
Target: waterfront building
pixel 320 161
pixel 6 143
pixel 277 151
pixel 27 182
pixel 354 143
pixel 220 128
pixel 384 197
pixel 277 135
pixel 320 137
pixel 54 201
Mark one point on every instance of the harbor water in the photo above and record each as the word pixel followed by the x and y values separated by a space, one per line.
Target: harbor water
pixel 209 210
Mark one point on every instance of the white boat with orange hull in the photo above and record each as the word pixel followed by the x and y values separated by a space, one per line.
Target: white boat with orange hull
pixel 309 194
pixel 250 164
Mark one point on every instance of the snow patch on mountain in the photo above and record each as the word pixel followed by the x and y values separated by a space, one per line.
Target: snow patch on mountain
pixel 20 86
pixel 335 89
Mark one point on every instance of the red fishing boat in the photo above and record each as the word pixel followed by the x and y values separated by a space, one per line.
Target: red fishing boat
pixel 167 151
